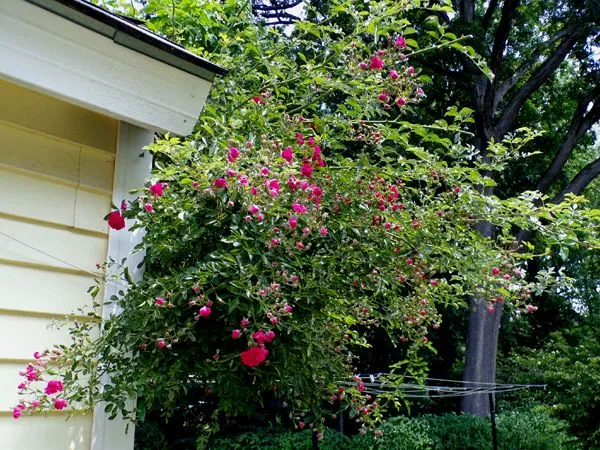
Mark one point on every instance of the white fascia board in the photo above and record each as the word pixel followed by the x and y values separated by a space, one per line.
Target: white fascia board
pixel 132 167
pixel 55 56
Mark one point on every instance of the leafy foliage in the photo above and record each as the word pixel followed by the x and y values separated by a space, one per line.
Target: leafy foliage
pixel 527 429
pixel 308 211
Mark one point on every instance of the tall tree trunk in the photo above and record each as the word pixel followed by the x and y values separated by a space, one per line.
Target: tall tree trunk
pixel 482 342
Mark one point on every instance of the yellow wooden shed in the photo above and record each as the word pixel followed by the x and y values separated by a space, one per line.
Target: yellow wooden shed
pixel 82 91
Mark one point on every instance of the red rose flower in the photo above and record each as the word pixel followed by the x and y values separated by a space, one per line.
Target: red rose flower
pixel 254 356
pixel 115 220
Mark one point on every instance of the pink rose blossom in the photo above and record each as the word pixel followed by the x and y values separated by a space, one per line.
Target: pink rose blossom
pixel 161 343
pixel 32 374
pixel 253 209
pixel 17 412
pixel 53 387
pixel 299 208
pixel 204 311
pixel 244 180
pixel 157 189
pixel 37 355
pixel 235 334
pixel 300 246
pixel 248 219
pixel 260 217
pixel 253 190
pixel 306 169
pixel 495 271
pixel 254 356
pixel 270 336
pixel 264 172
pixel 316 153
pixel 376 63
pixel 274 242
pixel 159 301
pixel 231 173
pixel 306 230
pixel 401 101
pixel 293 222
pixel 35 403
pixel 383 96
pixel 363 65
pixel 220 183
pixel 288 308
pixel 244 323
pixel 274 320
pixel 288 154
pixel 400 42
pixel 323 231
pixel 123 205
pixel 60 403
pixel 115 220
pixel 273 185
pixel 293 183
pixel 149 208
pixel 394 75
pixel 234 154
pixel 531 308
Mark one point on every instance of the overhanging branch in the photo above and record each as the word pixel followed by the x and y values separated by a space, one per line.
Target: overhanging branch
pixel 507 85
pixel 581 181
pixel 501 35
pixel 539 77
pixel 585 116
pixel 489 13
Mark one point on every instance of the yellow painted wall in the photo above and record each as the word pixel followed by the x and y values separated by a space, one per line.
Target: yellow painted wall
pixel 56 178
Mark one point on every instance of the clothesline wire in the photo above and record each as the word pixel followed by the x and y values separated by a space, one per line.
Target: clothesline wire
pixel 376 384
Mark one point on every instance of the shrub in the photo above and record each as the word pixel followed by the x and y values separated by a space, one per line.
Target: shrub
pixel 461 432
pixel 399 433
pixel 265 440
pixel 527 429
pixel 533 429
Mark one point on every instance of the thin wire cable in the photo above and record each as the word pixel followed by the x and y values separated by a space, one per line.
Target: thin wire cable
pixel 373 377
pixel 375 385
pixel 56 258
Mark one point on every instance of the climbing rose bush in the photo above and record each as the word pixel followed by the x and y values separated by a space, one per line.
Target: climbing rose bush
pixel 307 212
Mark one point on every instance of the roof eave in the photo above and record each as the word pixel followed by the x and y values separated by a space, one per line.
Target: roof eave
pixel 131 36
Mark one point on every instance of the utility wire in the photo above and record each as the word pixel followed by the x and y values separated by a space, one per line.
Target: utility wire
pixel 56 258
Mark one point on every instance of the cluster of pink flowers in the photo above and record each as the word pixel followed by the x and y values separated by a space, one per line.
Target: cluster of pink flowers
pixel 34 373
pixel 257 354
pixel 116 220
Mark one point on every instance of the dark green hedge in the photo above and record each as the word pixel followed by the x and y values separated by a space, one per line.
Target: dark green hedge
pixel 517 430
pixel 530 429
